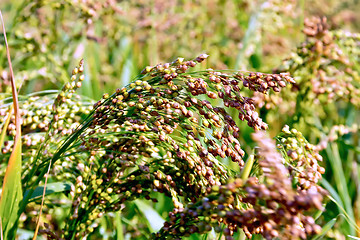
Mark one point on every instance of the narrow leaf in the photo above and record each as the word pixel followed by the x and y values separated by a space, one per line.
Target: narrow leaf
pixel 353 237
pixel 340 180
pixel 247 169
pixel 42 204
pixel 56 187
pixel 351 222
pixel 11 190
pixel 118 226
pixel 325 229
pixel 155 220
pixel 5 126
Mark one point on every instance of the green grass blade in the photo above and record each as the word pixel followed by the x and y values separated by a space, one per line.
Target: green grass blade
pixel 55 187
pixel 242 235
pixel 42 204
pixel 155 221
pixel 247 169
pixel 326 228
pixel 252 38
pixel 5 126
pixel 11 190
pixel 352 237
pixel 340 181
pixel 1 230
pixel 332 192
pixel 92 84
pixel 11 193
pixel 118 226
pixel 344 213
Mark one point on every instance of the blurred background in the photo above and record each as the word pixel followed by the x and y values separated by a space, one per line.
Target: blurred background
pixel 117 39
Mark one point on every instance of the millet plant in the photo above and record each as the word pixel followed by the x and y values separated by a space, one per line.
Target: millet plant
pixel 324 105
pixel 181 151
pixel 168 132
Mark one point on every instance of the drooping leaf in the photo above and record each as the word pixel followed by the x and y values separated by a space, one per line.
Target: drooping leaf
pixel 154 219
pixel 55 187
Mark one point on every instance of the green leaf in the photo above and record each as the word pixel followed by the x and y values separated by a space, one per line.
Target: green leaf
pixel 11 193
pixel 11 190
pixel 91 84
pixel 155 221
pixel 332 192
pixel 349 220
pixel 5 126
pixel 247 169
pixel 325 229
pixel 50 188
pixel 255 61
pixel 118 226
pixel 353 237
pixel 335 161
pixel 27 234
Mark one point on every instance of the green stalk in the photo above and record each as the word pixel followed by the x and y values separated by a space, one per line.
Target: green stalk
pixel 244 175
pixel 340 181
pixel 118 226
